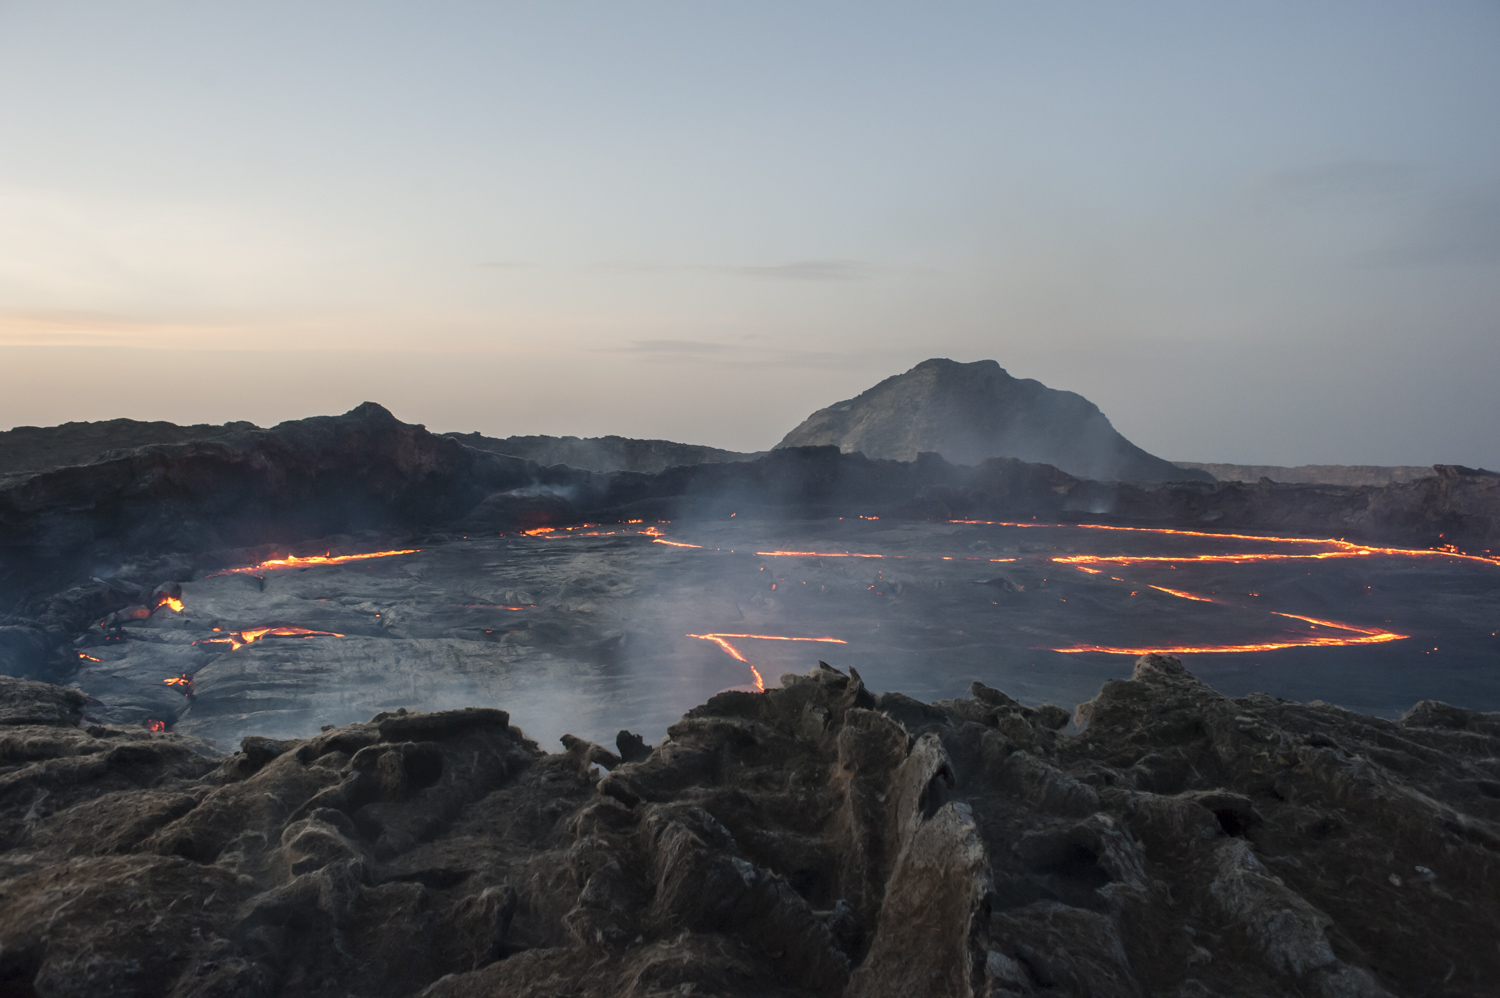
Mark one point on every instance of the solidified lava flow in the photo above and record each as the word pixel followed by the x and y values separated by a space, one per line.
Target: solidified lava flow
pixel 516 619
pixel 1334 548
pixel 722 640
pixel 292 561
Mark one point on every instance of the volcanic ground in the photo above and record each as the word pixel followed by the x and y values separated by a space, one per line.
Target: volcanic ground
pixel 590 629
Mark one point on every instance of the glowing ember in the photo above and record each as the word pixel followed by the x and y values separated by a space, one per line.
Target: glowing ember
pixel 240 639
pixel 292 561
pixel 155 725
pixel 722 640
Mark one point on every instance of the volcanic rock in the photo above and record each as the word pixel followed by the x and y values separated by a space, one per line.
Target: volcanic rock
pixel 970 412
pixel 302 479
pixel 1313 474
pixel 39 448
pixel 610 453
pixel 813 840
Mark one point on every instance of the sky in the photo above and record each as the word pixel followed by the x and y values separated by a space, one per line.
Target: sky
pixel 1255 233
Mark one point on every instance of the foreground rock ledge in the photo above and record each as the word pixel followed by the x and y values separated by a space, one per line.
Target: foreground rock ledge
pixel 814 840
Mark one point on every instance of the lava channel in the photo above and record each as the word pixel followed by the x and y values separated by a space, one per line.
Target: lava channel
pixel 292 561
pixel 722 640
pixel 239 639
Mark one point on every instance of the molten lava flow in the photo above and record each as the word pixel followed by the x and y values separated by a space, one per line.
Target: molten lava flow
pixel 156 725
pixel 1343 549
pixel 1148 559
pixel 183 682
pixel 1361 636
pixel 1182 595
pixel 722 640
pixel 172 603
pixel 240 639
pixel 675 544
pixel 292 561
pixel 89 658
pixel 817 554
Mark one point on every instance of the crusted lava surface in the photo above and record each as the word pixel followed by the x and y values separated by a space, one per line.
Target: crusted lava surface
pixel 816 839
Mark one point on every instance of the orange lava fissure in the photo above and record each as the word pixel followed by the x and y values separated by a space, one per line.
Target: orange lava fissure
pixel 240 639
pixel 292 561
pixel 723 641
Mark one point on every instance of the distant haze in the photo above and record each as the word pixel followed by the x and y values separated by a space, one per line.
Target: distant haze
pixel 1260 234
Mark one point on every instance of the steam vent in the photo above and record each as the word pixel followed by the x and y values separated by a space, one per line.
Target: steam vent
pixel 277 708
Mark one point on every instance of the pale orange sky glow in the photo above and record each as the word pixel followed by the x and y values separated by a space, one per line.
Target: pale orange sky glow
pixel 1267 235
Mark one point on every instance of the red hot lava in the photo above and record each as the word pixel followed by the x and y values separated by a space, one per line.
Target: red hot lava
pixel 250 635
pixel 292 561
pixel 722 640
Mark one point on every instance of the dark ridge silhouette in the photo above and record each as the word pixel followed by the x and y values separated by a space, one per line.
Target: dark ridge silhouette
pixel 970 412
pixel 1314 474
pixel 610 453
pixel 37 448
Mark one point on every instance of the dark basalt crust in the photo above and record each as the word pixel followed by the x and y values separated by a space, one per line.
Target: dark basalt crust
pixel 814 840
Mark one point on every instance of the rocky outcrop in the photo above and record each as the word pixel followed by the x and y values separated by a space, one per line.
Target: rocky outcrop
pixel 39 448
pixel 970 412
pixel 1313 474
pixel 610 453
pixel 816 840
pixel 364 470
pixel 1455 505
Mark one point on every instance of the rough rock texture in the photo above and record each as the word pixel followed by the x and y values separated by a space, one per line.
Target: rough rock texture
pixel 969 412
pixel 1454 505
pixel 1313 474
pixel 38 448
pixel 814 840
pixel 611 453
pixel 307 478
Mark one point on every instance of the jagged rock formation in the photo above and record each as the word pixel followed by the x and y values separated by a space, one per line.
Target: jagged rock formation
pixel 611 453
pixel 1313 474
pixel 970 412
pixel 813 840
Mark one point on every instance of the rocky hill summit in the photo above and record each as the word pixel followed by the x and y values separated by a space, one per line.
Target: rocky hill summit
pixel 815 840
pixel 969 412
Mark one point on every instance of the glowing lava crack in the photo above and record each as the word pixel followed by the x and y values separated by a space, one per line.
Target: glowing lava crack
pixel 722 640
pixel 292 561
pixel 250 635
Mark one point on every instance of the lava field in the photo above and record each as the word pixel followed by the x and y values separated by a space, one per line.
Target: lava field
pixel 591 628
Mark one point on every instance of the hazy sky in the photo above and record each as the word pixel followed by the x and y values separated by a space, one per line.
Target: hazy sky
pixel 1260 232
